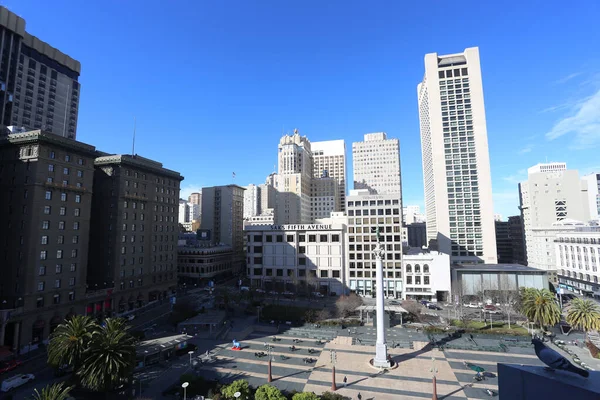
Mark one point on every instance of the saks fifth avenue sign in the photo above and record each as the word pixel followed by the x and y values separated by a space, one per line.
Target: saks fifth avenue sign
pixel 302 227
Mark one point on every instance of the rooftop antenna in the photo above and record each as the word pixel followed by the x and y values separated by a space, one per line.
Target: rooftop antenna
pixel 133 144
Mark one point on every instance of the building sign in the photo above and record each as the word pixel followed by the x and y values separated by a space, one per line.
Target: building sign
pixel 302 227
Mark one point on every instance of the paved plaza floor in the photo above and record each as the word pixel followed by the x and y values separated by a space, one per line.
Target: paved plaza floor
pixel 411 380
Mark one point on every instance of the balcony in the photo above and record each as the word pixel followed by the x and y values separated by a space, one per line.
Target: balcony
pixel 59 185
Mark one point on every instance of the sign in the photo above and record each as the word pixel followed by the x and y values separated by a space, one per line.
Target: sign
pixel 301 227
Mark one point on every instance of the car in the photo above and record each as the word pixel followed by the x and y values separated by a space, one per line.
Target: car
pixel 424 302
pixel 274 293
pixel 9 365
pixel 317 294
pixel 259 291
pixel 470 305
pixel 16 381
pixel 287 293
pixel 433 306
pixel 490 309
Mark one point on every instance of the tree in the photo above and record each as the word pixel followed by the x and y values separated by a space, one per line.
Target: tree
pixel 236 386
pixel 305 396
pixel 507 297
pixel 56 391
pixel 539 306
pixel 69 341
pixel 413 308
pixel 323 314
pixel 583 314
pixel 110 358
pixel 346 305
pixel 333 396
pixel 268 392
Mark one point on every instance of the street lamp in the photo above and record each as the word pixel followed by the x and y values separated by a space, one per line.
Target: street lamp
pixel 190 353
pixel 184 385
pixel 434 371
pixel 270 377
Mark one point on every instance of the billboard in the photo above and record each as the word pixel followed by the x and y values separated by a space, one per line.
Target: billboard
pixel 203 234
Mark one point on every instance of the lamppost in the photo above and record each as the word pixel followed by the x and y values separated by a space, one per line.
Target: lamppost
pixel 270 377
pixel 333 362
pixel 184 385
pixel 434 371
pixel 190 353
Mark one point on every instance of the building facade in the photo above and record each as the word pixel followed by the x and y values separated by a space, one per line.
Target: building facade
pixel 517 239
pixel 223 216
pixel 199 263
pixel 324 197
pixel 39 86
pixel 412 214
pixel 417 235
pixel 251 201
pixel 593 191
pixel 456 165
pixel 504 247
pixel 299 258
pixel 376 165
pixel 367 213
pixel 46 191
pixel 578 259
pixel 476 280
pixel 133 232
pixel 195 198
pixel 426 276
pixel 550 195
pixel 329 161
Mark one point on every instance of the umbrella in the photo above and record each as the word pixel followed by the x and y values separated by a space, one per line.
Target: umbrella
pixel 474 367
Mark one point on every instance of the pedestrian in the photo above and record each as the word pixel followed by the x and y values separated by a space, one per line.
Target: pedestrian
pixel 348 331
pixel 359 396
pixel 345 381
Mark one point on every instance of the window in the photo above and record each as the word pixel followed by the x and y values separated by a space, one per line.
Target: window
pixel 335 238
pixel 57 283
pixel 40 286
pixel 426 280
pixel 322 238
pixel 58 268
pixel 417 280
pixel 47 210
pixel 44 239
pixel 77 198
pixel 335 273
pixel 302 238
pixel 59 254
pixel 67 158
pixel 50 167
pixel 312 238
pixel 279 238
pixel 43 255
pixel 60 239
pixel 257 260
pixel 76 212
pixel 74 253
pixel 75 239
pixel 61 225
pixel 52 155
pixel 289 238
pixel 76 225
pixel 73 267
pixel 40 300
pixel 72 281
pixel 66 171
pixel 80 161
pixel 42 271
pixel 268 238
pixel 57 298
pixel 302 261
pixel 79 173
pixel 62 211
pixel 324 273
pixel 63 197
pixel 48 195
pixel 301 249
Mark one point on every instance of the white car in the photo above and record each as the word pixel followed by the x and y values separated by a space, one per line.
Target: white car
pixel 317 294
pixel 16 381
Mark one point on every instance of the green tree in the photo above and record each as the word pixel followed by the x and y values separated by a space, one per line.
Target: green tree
pixel 236 386
pixel 305 396
pixel 268 392
pixel 56 391
pixel 70 340
pixel 110 358
pixel 583 314
pixel 540 307
pixel 333 396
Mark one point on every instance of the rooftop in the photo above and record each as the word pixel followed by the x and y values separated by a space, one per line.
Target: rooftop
pixel 496 268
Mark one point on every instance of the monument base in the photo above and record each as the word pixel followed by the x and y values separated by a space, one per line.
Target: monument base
pixel 381 359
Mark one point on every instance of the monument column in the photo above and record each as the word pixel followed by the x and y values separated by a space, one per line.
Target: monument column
pixel 381 357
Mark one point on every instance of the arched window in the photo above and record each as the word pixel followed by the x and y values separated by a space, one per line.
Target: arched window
pixel 408 268
pixel 426 268
pixel 417 268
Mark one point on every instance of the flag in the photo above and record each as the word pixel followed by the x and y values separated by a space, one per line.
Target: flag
pixel 233 175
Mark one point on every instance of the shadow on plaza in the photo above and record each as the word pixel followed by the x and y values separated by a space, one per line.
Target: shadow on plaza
pixel 461 388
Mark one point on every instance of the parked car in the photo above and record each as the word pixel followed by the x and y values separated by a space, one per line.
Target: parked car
pixel 16 381
pixel 490 309
pixel 471 305
pixel 274 293
pixel 9 365
pixel 433 306
pixel 287 293
pixel 424 302
pixel 317 294
pixel 259 291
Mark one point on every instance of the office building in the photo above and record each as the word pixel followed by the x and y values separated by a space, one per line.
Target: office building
pixel 412 214
pixel 133 232
pixel 299 258
pixel 251 201
pixel 517 239
pixel 417 235
pixel 503 242
pixel 324 197
pixel 223 216
pixel 198 262
pixel 195 198
pixel 578 259
pixel 45 201
pixel 329 161
pixel 593 191
pixel 366 213
pixel 472 280
pixel 550 195
pixel 456 164
pixel 376 165
pixel 268 199
pixel 39 86
pixel 426 275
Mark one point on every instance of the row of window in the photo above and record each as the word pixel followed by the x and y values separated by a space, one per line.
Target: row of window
pixel 60 239
pixel 66 170
pixel 365 203
pixel 57 284
pixel 63 196
pixel 323 238
pixel 55 298
pixel 67 158
pixel 58 269
pixel 59 254
pixel 61 225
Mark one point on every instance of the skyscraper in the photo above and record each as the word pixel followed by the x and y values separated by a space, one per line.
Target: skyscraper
pixel 39 85
pixel 456 164
pixel 376 164
pixel 329 160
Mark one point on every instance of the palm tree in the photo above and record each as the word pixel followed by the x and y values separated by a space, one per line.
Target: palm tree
pixel 52 392
pixel 583 314
pixel 539 306
pixel 70 340
pixel 110 358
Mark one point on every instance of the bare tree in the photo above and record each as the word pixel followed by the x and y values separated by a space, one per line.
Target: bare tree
pixel 323 314
pixel 507 297
pixel 345 305
pixel 413 308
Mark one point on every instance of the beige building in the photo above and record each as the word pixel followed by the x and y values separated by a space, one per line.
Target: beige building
pixel 552 194
pixel 329 160
pixel 578 260
pixel 223 216
pixel 324 197
pixel 456 164
pixel 376 164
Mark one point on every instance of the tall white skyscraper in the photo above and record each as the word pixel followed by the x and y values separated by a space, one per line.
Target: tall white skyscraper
pixel 376 164
pixel 593 187
pixel 456 164
pixel 251 201
pixel 329 160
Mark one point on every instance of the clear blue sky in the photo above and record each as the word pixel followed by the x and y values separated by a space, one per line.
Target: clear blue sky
pixel 214 83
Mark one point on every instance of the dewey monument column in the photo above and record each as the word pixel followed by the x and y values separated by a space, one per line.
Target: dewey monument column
pixel 381 356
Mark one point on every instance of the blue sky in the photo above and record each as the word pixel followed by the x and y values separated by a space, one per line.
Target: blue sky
pixel 214 84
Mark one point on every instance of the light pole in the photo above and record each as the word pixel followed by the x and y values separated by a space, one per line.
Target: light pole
pixel 269 378
pixel 184 385
pixel 434 371
pixel 190 353
pixel 333 361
